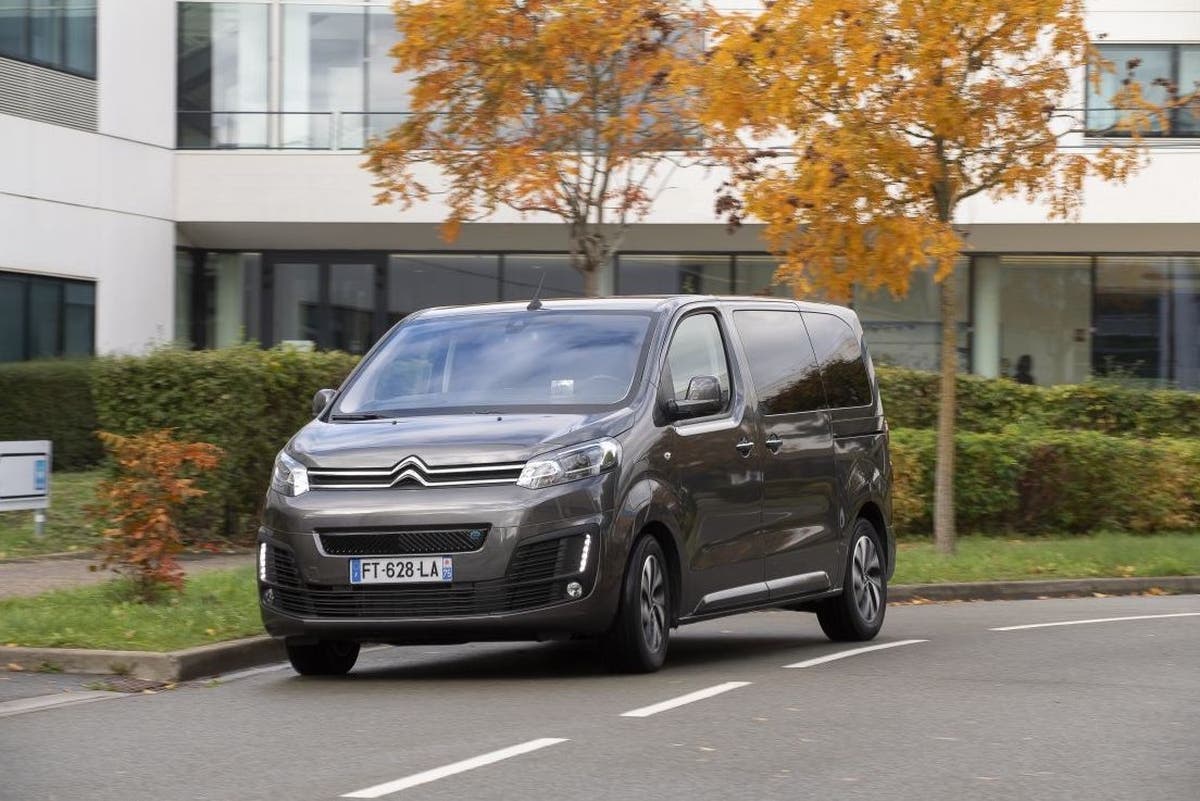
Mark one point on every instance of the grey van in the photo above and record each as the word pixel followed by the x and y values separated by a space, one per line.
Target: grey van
pixel 607 468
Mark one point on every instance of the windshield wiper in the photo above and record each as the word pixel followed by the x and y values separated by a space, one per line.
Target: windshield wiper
pixel 358 416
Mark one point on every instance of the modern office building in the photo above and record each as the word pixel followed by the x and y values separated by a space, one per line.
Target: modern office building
pixel 190 171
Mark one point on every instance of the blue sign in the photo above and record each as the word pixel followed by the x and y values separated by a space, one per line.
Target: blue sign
pixel 39 475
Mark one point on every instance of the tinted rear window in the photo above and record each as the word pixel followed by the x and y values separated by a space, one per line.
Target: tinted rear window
pixel 839 353
pixel 781 361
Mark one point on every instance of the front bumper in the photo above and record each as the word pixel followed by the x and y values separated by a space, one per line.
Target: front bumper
pixel 513 587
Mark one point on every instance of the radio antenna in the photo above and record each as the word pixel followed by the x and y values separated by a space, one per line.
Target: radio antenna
pixel 536 303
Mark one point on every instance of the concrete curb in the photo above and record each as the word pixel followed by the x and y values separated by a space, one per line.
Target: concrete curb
pixel 1051 588
pixel 190 663
pixel 224 657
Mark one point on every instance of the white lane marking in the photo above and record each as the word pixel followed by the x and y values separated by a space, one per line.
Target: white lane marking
pixel 699 695
pixel 458 767
pixel 40 702
pixel 820 660
pixel 1093 620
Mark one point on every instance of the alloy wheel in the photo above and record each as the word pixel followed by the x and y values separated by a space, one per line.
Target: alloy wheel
pixel 867 579
pixel 653 603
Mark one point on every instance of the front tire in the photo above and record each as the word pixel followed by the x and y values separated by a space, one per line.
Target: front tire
pixel 857 614
pixel 637 641
pixel 323 658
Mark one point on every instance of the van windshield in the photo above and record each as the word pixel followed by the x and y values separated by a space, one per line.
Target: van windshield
pixel 496 360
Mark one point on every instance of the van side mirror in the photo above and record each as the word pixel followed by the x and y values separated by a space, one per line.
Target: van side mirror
pixel 322 399
pixel 703 397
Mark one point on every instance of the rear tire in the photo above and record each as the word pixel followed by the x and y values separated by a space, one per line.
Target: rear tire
pixel 323 658
pixel 857 614
pixel 637 641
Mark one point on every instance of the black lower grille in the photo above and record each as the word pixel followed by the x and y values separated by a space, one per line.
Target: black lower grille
pixel 281 568
pixel 537 576
pixel 395 543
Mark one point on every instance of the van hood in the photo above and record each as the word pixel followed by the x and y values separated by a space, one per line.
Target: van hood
pixel 450 439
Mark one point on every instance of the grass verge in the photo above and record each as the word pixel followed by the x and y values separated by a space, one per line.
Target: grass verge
pixel 67 525
pixel 215 605
pixel 1105 554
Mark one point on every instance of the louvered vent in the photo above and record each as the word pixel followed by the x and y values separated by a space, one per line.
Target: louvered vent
pixel 46 95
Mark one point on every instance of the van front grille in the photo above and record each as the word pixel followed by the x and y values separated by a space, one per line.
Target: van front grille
pixel 413 473
pixel 397 543
pixel 537 576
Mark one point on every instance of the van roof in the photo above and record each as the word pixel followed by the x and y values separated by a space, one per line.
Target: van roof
pixel 654 303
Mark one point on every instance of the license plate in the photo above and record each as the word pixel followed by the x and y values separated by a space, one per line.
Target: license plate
pixel 402 571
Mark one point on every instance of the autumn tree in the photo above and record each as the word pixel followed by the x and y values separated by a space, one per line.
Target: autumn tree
pixel 575 109
pixel 889 116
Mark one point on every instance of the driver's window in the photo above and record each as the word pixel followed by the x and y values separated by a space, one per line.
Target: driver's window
pixel 697 349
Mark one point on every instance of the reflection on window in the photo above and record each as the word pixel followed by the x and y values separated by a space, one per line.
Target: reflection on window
pixel 297 304
pixel 59 34
pixel 1147 319
pixel 781 361
pixel 697 350
pixel 502 359
pixel 43 317
pixel 417 281
pixel 222 82
pixel 671 275
pixel 843 371
pixel 1045 319
pixel 523 272
pixel 1155 67
pixel 908 330
pixel 351 306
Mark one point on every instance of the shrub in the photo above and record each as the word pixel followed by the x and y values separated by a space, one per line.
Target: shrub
pixel 52 400
pixel 1030 480
pixel 245 400
pixel 989 404
pixel 153 480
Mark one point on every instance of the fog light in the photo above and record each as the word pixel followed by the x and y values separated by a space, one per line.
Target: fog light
pixel 575 589
pixel 269 597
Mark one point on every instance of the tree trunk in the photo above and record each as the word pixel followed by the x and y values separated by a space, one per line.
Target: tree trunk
pixel 591 281
pixel 943 485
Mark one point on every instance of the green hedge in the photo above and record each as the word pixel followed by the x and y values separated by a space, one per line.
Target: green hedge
pixel 910 401
pixel 1031 480
pixel 246 400
pixel 51 400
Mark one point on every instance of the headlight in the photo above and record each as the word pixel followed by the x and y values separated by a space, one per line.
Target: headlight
pixel 289 477
pixel 570 464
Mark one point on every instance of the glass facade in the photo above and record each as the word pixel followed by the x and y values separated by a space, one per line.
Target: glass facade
pixel 222 75
pixel 1147 319
pixel 59 34
pixel 42 317
pixel 1040 319
pixel 335 84
pixel 908 330
pixel 1157 68
pixel 1045 319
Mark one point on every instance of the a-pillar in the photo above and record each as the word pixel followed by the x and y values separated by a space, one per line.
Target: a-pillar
pixel 985 317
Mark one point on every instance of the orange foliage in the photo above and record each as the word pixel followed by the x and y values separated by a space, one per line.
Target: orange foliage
pixel 893 114
pixel 577 109
pixel 140 503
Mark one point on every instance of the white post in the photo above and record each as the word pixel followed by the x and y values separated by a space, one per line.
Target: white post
pixel 985 320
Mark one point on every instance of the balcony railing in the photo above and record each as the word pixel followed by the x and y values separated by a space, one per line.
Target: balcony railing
pixel 309 130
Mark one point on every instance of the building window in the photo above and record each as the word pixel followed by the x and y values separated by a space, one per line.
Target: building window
pixel 222 75
pixel 42 317
pixel 1168 74
pixel 59 34
pixel 670 274
pixel 1045 314
pixel 524 272
pixel 907 331
pixel 1147 320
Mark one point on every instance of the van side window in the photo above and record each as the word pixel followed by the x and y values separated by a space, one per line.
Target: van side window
pixel 841 358
pixel 781 361
pixel 697 349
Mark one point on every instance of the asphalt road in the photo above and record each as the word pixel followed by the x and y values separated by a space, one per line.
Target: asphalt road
pixel 1106 710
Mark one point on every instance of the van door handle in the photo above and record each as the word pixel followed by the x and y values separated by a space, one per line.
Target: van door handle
pixel 744 447
pixel 774 443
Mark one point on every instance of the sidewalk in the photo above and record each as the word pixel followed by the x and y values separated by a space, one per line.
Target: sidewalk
pixel 33 576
